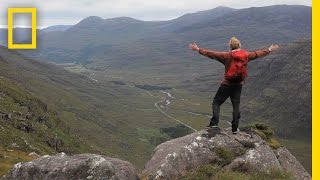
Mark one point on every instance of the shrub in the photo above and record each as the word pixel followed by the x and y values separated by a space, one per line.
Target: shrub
pixel 273 143
pixel 225 156
pixel 265 132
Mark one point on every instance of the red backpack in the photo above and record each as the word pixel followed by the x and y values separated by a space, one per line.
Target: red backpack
pixel 237 70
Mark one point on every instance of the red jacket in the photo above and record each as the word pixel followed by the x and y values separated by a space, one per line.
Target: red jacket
pixel 225 57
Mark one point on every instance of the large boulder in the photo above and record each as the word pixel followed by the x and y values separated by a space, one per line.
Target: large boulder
pixel 245 150
pixel 82 166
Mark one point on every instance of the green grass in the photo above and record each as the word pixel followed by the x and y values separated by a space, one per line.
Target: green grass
pixel 9 157
pixel 153 136
pixel 211 172
pixel 20 108
pixel 225 156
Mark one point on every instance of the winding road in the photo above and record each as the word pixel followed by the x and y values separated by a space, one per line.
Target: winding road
pixel 167 100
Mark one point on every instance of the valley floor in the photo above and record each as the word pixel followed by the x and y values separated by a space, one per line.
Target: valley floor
pixel 178 105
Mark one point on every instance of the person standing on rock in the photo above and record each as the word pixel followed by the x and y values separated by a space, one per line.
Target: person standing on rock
pixel 235 62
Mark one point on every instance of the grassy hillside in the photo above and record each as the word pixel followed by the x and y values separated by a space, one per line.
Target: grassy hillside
pixel 28 125
pixel 47 109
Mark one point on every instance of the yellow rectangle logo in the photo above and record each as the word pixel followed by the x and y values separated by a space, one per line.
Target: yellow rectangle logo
pixel 11 12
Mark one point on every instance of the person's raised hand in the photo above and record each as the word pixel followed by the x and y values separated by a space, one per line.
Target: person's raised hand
pixel 273 47
pixel 194 47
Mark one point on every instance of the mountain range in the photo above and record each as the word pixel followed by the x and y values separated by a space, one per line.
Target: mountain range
pixel 109 42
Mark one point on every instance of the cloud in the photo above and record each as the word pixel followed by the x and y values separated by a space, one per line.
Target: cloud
pixel 72 11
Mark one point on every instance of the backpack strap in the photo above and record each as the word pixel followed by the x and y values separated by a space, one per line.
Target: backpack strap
pixel 228 62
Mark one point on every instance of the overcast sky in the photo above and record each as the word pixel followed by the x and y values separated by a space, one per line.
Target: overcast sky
pixel 53 12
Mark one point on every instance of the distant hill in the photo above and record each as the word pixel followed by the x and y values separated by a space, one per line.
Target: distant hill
pixel 190 19
pixel 257 25
pixel 19 35
pixel 3 37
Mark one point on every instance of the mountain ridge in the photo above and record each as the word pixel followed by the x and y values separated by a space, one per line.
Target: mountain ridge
pixel 170 37
pixel 56 28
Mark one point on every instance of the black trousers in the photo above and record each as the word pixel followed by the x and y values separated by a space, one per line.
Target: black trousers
pixel 234 92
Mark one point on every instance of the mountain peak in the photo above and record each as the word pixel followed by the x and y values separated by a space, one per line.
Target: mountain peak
pixel 122 19
pixel 223 7
pixel 91 20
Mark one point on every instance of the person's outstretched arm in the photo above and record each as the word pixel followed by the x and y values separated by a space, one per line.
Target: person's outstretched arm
pixel 220 56
pixel 263 52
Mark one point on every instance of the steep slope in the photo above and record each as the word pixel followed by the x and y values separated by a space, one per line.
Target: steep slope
pixel 28 122
pixel 280 89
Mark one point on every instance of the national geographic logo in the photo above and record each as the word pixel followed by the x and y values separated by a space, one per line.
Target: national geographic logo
pixel 33 12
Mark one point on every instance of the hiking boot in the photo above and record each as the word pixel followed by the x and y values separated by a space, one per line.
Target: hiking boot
pixel 236 131
pixel 211 125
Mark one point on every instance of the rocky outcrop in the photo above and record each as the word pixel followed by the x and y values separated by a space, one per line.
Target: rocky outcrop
pixel 82 166
pixel 245 151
